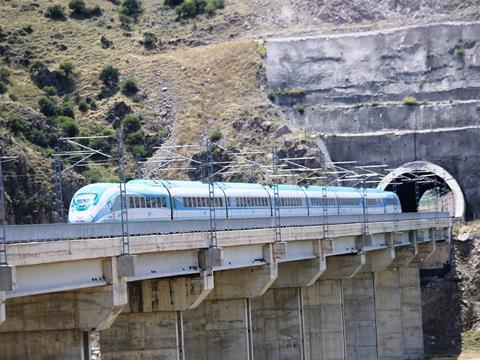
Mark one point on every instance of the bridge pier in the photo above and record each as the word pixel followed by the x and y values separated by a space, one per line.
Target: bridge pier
pixel 220 328
pixel 151 327
pixel 53 326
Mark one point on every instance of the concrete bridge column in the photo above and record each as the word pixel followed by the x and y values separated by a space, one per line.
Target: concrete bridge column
pixel 398 313
pixel 220 327
pixel 277 316
pixel 151 327
pixel 3 297
pixel 56 325
pixel 359 317
pixel 411 304
pixel 323 320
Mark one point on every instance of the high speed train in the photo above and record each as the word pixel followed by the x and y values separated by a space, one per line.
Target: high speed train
pixel 149 200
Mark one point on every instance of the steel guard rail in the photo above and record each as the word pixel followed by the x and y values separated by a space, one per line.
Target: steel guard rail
pixel 53 232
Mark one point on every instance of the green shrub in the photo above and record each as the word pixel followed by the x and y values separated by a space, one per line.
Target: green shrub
pixel 93 175
pixel 135 137
pixel 36 65
pixel 125 21
pixel 131 8
pixel 17 124
pixel 149 40
pixel 215 134
pixel 83 106
pixel 101 145
pixel 5 75
pixel 409 100
pixel 188 9
pixel 55 12
pixel 129 86
pixel 68 125
pixel 36 136
pixel 80 10
pixel 220 4
pixel 3 87
pixel 109 76
pixel 173 3
pixel 49 107
pixel 50 90
pixel 192 8
pixel 131 123
pixel 460 51
pixel 140 150
pixel 67 109
pixel 262 49
pixel 77 6
pixel 67 67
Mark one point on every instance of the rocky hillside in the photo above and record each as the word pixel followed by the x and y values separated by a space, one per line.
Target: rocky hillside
pixel 175 75
pixel 454 292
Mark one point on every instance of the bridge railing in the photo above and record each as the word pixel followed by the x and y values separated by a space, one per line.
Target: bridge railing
pixel 52 232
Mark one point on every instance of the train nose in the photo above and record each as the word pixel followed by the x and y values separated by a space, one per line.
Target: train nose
pixel 78 217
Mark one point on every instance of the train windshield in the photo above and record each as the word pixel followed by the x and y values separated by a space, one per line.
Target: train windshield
pixel 84 200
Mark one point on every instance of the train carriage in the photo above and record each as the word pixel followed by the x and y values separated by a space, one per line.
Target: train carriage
pixel 246 200
pixel 292 200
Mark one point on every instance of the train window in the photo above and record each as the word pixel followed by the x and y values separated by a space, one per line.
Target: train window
pixel 131 203
pixel 148 202
pixel 142 202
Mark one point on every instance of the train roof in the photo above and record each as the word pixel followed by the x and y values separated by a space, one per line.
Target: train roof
pixel 183 184
pixel 97 188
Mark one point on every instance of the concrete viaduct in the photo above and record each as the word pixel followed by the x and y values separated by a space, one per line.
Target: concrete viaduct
pixel 346 289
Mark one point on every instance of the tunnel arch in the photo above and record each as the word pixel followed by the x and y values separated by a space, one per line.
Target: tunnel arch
pixel 426 167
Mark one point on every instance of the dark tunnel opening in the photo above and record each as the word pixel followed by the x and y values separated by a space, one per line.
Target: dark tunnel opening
pixel 422 191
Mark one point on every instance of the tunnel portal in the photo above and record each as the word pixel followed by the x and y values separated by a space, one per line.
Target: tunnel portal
pixel 414 180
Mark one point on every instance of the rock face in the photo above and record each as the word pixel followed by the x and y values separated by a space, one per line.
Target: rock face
pixel 453 292
pixel 390 96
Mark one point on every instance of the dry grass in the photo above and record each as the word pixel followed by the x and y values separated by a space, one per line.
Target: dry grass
pixel 212 85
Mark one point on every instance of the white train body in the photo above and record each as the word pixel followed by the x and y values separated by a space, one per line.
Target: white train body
pixel 181 200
